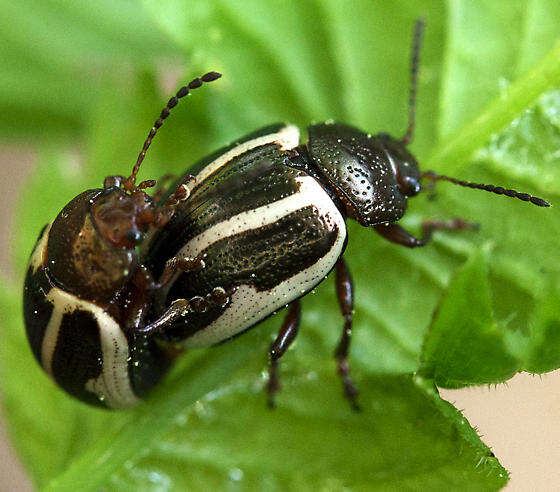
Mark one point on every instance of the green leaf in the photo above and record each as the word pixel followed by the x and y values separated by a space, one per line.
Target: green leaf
pixel 198 435
pixel 542 353
pixel 480 95
pixel 406 435
pixel 464 344
pixel 302 62
pixel 57 55
pixel 520 95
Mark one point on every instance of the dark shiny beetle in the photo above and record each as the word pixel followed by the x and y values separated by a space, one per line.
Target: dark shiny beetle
pixel 249 230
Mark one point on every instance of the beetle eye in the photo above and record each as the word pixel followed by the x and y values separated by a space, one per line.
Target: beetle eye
pixel 134 236
pixel 409 186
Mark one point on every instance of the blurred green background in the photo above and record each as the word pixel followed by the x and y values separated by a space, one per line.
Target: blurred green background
pixel 80 85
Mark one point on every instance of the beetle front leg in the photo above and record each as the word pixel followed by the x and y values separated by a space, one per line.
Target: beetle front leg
pixel 144 280
pixel 278 348
pixel 398 235
pixel 145 285
pixel 181 193
pixel 345 295
pixel 181 307
pixel 180 264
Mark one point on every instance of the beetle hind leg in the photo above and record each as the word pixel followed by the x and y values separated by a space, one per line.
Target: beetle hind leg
pixel 345 295
pixel 286 336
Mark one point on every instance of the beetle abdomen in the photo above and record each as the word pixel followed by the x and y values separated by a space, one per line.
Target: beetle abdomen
pixel 263 228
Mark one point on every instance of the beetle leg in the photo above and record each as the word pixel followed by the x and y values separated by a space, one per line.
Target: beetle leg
pixel 396 234
pixel 144 280
pixel 285 337
pixel 178 308
pixel 145 284
pixel 345 295
pixel 181 193
pixel 181 307
pixel 180 264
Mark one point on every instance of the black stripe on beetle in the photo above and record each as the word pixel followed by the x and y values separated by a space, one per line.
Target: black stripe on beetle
pixel 272 263
pixel 75 359
pixel 37 310
pixel 249 229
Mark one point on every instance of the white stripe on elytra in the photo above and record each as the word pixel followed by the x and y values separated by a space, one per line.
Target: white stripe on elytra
pixel 38 255
pixel 113 384
pixel 287 138
pixel 309 193
pixel 247 305
pixel 253 219
pixel 51 333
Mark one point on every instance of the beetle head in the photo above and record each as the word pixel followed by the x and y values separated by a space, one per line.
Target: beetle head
pixel 90 249
pixel 403 163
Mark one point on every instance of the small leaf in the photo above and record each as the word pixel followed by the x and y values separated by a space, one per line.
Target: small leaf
pixel 464 344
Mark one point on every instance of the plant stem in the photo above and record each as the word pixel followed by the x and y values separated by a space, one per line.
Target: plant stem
pixel 453 154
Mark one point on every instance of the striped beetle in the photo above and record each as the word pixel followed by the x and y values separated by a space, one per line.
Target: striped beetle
pixel 248 230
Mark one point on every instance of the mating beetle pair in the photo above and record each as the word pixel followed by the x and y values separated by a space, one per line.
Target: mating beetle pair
pixel 248 230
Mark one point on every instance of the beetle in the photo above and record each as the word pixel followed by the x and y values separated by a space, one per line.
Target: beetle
pixel 246 231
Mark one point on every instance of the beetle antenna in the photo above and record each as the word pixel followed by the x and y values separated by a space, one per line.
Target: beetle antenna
pixel 498 190
pixel 414 65
pixel 130 182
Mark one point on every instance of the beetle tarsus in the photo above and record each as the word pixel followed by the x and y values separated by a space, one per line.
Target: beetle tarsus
pixel 181 193
pixel 180 264
pixel 273 384
pixel 429 226
pixel 111 181
pixel 350 390
pixel 219 296
pixel 181 307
